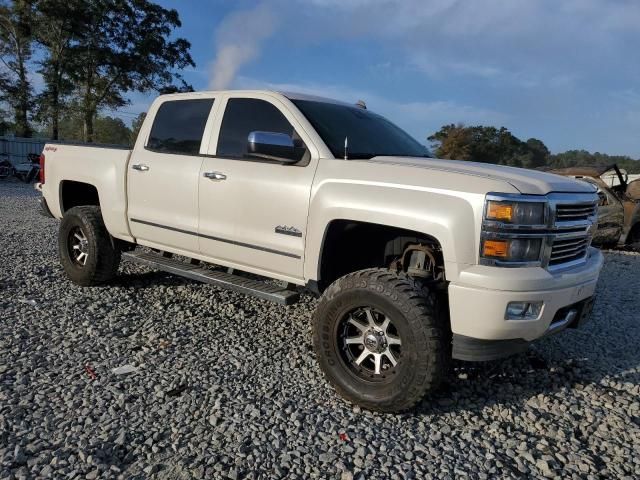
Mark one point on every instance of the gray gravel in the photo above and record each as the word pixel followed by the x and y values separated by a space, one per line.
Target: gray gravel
pixel 227 386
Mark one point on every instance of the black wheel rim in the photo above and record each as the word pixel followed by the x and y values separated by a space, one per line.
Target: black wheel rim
pixel 369 344
pixel 78 246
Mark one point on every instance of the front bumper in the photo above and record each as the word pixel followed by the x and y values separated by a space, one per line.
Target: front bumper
pixel 478 350
pixel 479 299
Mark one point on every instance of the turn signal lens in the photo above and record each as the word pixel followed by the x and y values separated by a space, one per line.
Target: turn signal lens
pixel 499 211
pixel 495 248
pixel 517 213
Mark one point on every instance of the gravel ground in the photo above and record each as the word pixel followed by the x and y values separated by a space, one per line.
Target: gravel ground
pixel 227 386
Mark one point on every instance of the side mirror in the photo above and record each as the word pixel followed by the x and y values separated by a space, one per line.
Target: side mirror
pixel 277 147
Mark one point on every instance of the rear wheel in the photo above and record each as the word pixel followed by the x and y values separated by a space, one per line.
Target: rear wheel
pixel 87 253
pixel 381 339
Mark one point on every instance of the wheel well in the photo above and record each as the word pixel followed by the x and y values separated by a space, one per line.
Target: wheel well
pixel 349 246
pixel 74 194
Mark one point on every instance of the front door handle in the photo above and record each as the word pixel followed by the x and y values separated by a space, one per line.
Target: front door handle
pixel 141 167
pixel 214 175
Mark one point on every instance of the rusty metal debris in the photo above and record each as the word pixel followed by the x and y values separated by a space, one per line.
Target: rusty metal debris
pixel 619 208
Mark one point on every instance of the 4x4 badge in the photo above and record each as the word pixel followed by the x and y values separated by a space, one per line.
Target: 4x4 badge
pixel 285 230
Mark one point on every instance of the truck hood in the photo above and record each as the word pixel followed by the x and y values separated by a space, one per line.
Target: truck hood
pixel 530 182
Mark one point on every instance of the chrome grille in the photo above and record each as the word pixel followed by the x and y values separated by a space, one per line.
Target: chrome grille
pixel 566 231
pixel 568 250
pixel 572 228
pixel 575 212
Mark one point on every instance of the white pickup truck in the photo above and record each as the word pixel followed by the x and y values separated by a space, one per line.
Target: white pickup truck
pixel 416 260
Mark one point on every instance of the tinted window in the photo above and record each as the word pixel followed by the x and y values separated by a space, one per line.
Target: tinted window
pixel 179 125
pixel 243 116
pixel 368 134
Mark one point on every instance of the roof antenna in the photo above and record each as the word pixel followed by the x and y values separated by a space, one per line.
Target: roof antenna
pixel 346 145
pixel 361 104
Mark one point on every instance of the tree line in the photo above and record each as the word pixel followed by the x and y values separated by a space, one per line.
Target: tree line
pixel 499 146
pixel 89 54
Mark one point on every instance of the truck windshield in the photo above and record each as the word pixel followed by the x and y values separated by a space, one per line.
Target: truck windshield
pixel 369 135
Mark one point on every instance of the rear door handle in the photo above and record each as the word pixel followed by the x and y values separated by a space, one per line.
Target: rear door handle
pixel 214 175
pixel 141 167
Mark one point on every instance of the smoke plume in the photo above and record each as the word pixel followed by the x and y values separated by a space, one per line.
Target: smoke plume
pixel 238 41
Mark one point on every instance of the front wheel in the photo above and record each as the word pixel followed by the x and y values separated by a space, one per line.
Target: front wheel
pixel 381 340
pixel 87 254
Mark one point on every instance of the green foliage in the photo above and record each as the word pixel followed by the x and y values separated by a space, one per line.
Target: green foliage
pixel 452 142
pixel 58 25
pixel 112 130
pixel 135 127
pixel 488 145
pixel 126 47
pixel 91 54
pixel 16 42
pixel 108 129
pixel 576 158
pixel 5 122
pixel 499 146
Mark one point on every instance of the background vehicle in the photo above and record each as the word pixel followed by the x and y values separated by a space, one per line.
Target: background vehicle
pixel 618 207
pixel 416 260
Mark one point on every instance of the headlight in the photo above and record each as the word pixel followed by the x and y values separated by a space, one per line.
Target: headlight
pixel 513 230
pixel 515 250
pixel 519 213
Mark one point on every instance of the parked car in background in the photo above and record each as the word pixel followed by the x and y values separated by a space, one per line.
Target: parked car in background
pixel 619 205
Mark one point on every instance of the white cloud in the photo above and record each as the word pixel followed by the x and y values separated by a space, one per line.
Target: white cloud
pixel 524 43
pixel 542 68
pixel 238 41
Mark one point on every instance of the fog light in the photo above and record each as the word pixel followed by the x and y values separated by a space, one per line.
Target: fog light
pixel 523 310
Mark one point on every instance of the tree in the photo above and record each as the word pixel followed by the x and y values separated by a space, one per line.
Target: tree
pixel 540 153
pixel 135 127
pixel 127 48
pixel 452 142
pixel 108 129
pixel 59 23
pixel 488 145
pixel 112 130
pixel 579 158
pixel 15 52
pixel 5 124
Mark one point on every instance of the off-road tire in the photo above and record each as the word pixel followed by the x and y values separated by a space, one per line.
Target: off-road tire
pixel 421 323
pixel 103 257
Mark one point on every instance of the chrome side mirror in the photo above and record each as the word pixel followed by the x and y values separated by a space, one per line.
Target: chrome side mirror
pixel 277 147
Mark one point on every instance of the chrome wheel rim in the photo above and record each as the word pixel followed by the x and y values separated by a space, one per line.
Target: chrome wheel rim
pixel 78 246
pixel 369 343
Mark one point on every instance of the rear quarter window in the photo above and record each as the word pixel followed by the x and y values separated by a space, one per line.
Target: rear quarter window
pixel 179 125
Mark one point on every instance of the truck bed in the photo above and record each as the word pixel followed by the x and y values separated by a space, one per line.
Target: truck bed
pixel 102 167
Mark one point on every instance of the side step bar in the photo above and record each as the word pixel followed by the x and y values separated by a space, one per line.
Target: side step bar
pixel 257 288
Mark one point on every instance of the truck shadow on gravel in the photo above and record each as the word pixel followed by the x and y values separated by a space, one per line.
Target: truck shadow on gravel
pixel 514 381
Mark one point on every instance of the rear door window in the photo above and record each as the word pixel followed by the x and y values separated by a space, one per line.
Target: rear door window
pixel 243 116
pixel 179 125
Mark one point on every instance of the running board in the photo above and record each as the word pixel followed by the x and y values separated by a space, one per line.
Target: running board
pixel 257 288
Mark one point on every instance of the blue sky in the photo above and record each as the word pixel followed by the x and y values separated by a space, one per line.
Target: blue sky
pixel 566 72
